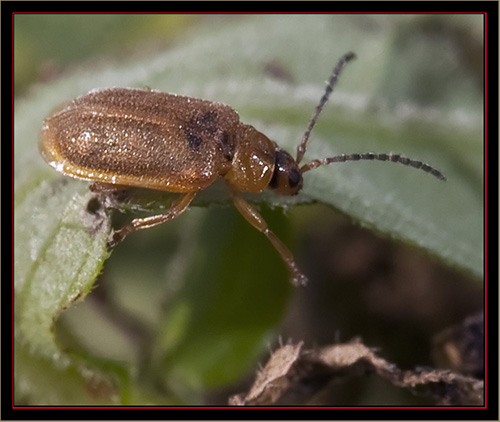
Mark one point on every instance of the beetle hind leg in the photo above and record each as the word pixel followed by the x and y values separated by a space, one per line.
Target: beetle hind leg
pixel 256 220
pixel 178 207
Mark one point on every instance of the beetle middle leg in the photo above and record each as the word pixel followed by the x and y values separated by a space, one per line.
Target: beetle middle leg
pixel 178 207
pixel 256 220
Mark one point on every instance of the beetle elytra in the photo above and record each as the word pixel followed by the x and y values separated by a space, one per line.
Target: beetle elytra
pixel 121 137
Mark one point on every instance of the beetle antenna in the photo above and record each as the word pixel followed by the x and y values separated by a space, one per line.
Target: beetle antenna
pixel 395 158
pixel 301 149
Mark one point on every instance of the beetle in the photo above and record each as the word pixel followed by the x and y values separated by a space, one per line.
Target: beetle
pixel 123 137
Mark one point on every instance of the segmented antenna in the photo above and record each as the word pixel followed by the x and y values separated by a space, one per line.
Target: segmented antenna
pixel 395 158
pixel 301 149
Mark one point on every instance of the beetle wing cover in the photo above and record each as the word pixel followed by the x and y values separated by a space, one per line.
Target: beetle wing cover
pixel 143 138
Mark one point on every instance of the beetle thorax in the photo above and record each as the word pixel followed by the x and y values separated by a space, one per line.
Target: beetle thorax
pixel 252 166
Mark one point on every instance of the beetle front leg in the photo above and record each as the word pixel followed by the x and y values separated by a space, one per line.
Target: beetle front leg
pixel 178 207
pixel 256 220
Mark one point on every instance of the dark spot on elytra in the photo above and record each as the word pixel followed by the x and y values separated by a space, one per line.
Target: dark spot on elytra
pixel 207 122
pixel 200 128
pixel 194 140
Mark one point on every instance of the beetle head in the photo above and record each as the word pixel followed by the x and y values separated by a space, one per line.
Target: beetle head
pixel 287 178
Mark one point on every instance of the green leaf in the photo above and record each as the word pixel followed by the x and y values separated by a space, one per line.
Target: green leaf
pixel 207 289
pixel 59 250
pixel 42 380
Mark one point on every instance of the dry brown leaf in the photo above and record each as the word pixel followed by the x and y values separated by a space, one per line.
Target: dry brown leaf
pixel 294 376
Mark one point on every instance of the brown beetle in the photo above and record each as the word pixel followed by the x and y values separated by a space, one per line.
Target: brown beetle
pixel 121 137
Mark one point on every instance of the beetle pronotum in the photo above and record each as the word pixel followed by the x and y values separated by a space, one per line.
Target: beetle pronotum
pixel 121 137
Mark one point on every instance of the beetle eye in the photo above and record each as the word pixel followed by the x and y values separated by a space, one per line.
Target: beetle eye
pixel 287 179
pixel 294 178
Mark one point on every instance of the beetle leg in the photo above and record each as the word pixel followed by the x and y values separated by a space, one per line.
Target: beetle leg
pixel 106 188
pixel 256 220
pixel 178 207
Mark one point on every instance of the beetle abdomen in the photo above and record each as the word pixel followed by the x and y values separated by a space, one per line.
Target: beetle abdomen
pixel 141 138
